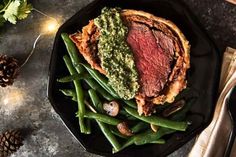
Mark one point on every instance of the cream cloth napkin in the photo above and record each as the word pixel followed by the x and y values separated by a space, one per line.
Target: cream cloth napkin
pixel 232 1
pixel 212 141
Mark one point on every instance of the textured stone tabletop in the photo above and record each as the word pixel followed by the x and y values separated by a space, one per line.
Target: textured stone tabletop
pixel 31 108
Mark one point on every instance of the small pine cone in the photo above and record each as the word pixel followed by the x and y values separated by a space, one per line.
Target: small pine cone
pixel 10 141
pixel 8 70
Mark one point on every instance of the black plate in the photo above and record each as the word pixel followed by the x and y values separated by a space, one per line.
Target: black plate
pixel 202 76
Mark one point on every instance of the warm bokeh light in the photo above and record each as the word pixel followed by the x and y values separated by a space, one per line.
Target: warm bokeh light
pixel 13 97
pixel 51 26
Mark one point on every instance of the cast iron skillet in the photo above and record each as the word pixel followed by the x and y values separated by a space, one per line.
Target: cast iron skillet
pixel 202 76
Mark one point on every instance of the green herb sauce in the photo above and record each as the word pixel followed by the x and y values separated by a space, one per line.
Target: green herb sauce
pixel 115 54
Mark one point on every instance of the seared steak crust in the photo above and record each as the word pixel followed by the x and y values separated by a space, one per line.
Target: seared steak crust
pixel 87 41
pixel 161 55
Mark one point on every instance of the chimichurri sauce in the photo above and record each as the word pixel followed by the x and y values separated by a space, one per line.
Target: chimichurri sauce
pixel 115 54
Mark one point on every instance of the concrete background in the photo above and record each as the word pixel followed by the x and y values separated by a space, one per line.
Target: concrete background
pixel 25 105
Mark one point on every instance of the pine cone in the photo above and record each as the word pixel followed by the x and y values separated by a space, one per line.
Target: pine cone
pixel 8 70
pixel 10 141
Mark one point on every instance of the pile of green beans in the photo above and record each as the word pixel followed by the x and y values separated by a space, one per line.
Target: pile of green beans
pixel 100 91
pixel 104 128
pixel 181 126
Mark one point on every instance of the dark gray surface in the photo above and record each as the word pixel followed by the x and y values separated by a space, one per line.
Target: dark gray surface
pixel 31 109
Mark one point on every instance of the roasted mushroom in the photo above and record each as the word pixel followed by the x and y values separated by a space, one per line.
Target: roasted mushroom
pixel 124 129
pixel 112 108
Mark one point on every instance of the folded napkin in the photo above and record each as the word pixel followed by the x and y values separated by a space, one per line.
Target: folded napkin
pixel 232 1
pixel 212 142
pixel 233 151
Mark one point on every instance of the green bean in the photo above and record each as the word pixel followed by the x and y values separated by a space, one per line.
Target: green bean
pixel 117 133
pixel 69 78
pixel 181 126
pixel 150 136
pixel 102 118
pixel 68 92
pixel 88 124
pixel 73 77
pixel 159 141
pixel 73 53
pixel 91 82
pixel 74 99
pixel 101 80
pixel 111 138
pixel 139 127
pixel 127 116
pixel 94 85
pixel 131 103
pixel 124 113
pixel 104 128
pixel 79 94
pixel 95 100
pixel 129 142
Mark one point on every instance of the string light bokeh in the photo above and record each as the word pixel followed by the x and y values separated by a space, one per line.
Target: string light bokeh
pixel 51 26
pixel 13 97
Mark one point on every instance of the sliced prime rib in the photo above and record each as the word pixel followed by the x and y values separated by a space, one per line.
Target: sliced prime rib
pixel 161 55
